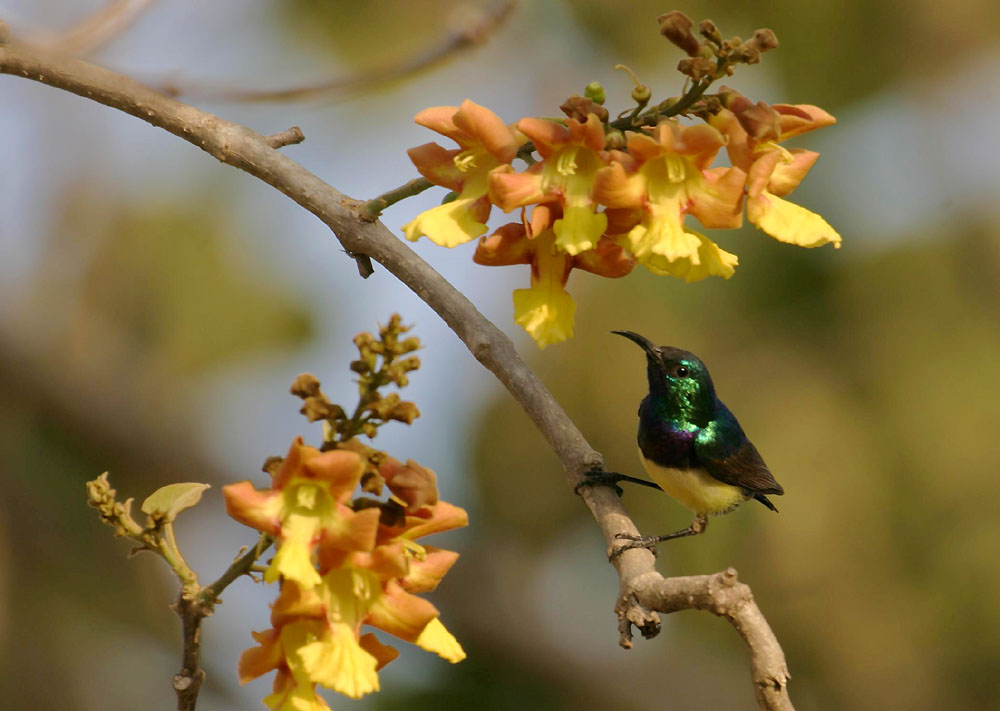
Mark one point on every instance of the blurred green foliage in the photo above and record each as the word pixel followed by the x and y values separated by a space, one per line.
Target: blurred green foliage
pixel 867 378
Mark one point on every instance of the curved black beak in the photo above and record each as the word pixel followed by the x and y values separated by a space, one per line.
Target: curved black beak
pixel 647 345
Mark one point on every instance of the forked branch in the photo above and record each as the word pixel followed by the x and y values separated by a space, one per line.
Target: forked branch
pixel 643 592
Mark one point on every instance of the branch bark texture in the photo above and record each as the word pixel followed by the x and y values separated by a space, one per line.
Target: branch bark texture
pixel 643 592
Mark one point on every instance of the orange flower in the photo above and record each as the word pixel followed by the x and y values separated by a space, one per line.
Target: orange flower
pixel 774 172
pixel 486 143
pixel 667 176
pixel 571 155
pixel 546 310
pixel 352 580
pixel 306 509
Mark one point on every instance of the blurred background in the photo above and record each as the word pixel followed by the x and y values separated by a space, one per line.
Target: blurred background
pixel 156 305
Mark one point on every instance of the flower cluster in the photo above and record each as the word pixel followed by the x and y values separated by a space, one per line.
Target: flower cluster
pixel 342 565
pixel 345 562
pixel 602 195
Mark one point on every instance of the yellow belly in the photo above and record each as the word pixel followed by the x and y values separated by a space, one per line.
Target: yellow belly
pixel 695 488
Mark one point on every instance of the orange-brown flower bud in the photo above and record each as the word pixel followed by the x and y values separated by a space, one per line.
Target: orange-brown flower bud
pixel 745 54
pixel 578 107
pixel 676 27
pixel 763 40
pixel 360 367
pixel 305 385
pixel 318 407
pixel 697 67
pixel 710 32
pixel 405 412
pixel 411 482
pixel 760 120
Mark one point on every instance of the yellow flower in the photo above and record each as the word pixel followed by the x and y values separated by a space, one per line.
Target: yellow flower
pixel 666 176
pixel 306 509
pixel 316 634
pixel 571 155
pixel 486 143
pixel 546 310
pixel 774 172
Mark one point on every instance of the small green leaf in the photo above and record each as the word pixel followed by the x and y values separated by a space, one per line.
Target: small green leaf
pixel 168 501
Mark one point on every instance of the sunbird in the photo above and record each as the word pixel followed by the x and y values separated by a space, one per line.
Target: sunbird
pixel 690 444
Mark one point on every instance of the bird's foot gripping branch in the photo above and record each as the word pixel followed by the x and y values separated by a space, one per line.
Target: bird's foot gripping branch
pixel 346 556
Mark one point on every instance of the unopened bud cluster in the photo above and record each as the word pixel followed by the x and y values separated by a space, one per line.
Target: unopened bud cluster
pixel 712 56
pixel 112 512
pixel 381 361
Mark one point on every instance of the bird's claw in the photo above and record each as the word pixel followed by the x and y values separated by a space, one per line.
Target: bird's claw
pixel 647 542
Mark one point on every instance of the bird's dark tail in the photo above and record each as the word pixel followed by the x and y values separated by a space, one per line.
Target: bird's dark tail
pixel 766 501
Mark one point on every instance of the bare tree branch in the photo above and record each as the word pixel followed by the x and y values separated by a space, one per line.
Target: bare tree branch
pixel 97 30
pixel 473 28
pixel 643 592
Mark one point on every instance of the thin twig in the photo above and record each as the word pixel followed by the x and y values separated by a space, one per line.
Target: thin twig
pixel 241 566
pixel 470 33
pixel 288 137
pixel 95 31
pixel 374 207
pixel 643 591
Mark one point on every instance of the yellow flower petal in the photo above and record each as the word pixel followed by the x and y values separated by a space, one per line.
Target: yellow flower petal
pixel 711 260
pixel 448 225
pixel 791 223
pixel 435 638
pixel 579 229
pixel 546 312
pixel 663 236
pixel 294 557
pixel 300 697
pixel 338 662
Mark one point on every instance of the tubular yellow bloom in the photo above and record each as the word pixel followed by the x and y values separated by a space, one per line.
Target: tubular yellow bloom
pixel 486 143
pixel 571 155
pixel 546 310
pixel 306 508
pixel 666 176
pixel 294 694
pixel 774 172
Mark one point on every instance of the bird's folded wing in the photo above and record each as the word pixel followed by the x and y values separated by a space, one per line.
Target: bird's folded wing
pixel 742 467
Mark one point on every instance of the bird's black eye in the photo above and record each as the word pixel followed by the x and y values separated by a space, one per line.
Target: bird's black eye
pixel 681 372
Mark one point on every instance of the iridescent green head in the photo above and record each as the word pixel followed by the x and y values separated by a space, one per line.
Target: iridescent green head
pixel 679 384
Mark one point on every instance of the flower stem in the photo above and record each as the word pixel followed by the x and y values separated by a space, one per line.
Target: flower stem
pixel 209 594
pixel 371 209
pixel 172 554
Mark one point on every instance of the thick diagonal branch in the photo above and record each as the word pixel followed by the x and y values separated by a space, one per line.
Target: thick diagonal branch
pixel 643 590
